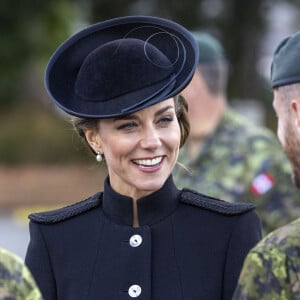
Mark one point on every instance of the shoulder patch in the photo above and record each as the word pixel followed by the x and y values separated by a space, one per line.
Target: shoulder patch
pixel 213 204
pixel 64 213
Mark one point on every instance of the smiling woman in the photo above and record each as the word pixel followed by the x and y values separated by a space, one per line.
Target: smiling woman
pixel 132 144
pixel 120 80
pixel 140 149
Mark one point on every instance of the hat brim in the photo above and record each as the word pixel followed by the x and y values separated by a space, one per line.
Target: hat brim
pixel 65 63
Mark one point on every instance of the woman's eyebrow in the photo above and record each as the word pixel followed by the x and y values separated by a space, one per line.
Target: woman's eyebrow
pixel 134 117
pixel 162 110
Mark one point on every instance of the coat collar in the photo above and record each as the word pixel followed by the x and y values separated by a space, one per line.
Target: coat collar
pixel 151 208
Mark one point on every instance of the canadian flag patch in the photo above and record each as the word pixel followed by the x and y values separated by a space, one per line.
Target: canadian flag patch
pixel 261 184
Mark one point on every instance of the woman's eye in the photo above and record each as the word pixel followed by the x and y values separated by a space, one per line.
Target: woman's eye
pixel 166 119
pixel 127 126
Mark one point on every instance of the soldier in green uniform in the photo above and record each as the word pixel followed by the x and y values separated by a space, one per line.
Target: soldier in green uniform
pixel 16 282
pixel 272 269
pixel 226 155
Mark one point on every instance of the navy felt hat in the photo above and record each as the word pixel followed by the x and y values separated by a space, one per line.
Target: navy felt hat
pixel 285 68
pixel 120 66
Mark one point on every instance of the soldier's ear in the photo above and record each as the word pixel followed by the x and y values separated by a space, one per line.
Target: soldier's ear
pixel 295 108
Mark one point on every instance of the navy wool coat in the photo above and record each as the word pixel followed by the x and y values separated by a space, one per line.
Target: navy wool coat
pixel 188 246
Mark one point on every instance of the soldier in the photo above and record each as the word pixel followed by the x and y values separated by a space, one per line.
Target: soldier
pixel 272 268
pixel 226 155
pixel 16 282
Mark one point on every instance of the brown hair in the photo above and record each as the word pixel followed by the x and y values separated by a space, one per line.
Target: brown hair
pixel 181 109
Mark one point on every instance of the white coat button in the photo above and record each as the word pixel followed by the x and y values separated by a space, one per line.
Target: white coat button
pixel 134 291
pixel 135 240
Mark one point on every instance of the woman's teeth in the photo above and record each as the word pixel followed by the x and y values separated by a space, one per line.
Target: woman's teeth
pixel 148 162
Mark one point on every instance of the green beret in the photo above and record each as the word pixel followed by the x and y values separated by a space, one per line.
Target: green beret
pixel 209 48
pixel 285 68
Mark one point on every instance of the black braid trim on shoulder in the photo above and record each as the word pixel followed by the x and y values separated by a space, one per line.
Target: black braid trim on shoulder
pixel 54 216
pixel 213 204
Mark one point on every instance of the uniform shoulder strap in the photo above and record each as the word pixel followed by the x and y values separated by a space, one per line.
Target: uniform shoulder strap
pixel 67 212
pixel 223 207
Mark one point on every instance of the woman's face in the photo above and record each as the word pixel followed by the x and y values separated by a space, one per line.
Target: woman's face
pixel 140 149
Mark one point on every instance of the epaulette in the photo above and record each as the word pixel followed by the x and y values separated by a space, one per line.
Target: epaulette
pixel 67 212
pixel 213 204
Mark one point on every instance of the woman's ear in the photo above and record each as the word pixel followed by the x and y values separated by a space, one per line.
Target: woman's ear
pixel 94 140
pixel 295 108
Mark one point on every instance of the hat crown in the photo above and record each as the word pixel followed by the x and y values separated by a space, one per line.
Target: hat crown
pixel 285 65
pixel 120 67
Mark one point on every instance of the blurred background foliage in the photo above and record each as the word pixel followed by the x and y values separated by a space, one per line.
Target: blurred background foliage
pixel 33 131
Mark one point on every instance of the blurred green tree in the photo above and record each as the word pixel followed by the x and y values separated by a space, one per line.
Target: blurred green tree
pixel 29 31
pixel 107 9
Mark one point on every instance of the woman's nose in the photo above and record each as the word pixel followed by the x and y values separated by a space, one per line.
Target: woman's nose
pixel 150 139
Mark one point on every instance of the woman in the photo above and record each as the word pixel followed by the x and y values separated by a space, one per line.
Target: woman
pixel 141 237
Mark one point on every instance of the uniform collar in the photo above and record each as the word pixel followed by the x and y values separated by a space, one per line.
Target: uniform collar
pixel 151 208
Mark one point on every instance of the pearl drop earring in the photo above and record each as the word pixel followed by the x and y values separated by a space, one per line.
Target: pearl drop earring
pixel 98 157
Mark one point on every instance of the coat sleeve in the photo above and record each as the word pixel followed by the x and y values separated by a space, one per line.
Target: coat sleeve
pixel 38 261
pixel 246 235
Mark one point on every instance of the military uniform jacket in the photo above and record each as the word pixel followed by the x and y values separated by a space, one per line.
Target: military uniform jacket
pixel 16 282
pixel 188 246
pixel 272 268
pixel 241 162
